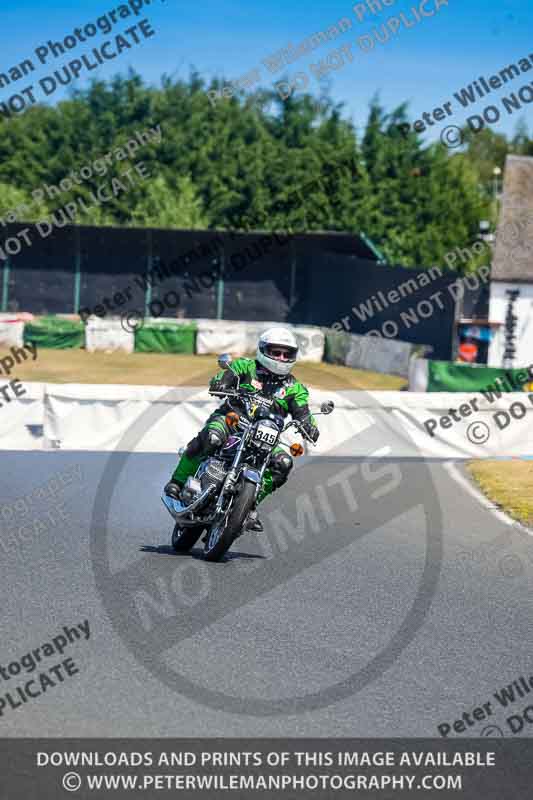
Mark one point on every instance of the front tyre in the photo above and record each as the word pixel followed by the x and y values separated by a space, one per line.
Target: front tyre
pixel 185 538
pixel 222 536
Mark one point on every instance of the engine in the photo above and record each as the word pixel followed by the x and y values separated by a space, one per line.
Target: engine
pixel 213 473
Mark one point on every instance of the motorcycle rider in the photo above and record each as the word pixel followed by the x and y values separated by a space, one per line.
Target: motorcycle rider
pixel 269 373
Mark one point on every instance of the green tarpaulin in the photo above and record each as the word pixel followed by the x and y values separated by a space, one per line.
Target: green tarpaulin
pixel 60 334
pixel 336 347
pixel 445 376
pixel 166 338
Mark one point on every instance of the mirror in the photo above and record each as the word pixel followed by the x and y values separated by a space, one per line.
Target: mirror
pixel 327 407
pixel 224 361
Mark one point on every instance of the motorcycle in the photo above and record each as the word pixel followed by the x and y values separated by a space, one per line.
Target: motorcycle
pixel 224 490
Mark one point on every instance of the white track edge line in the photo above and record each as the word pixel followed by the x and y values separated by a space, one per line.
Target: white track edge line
pixel 454 473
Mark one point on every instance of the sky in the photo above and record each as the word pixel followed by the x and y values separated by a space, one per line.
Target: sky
pixel 424 64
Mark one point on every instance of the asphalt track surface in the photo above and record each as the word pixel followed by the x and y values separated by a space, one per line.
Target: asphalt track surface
pixel 398 603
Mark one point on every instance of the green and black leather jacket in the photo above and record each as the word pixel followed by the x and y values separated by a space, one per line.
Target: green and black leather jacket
pixel 289 395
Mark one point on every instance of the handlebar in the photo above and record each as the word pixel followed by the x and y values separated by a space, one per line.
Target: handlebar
pixel 225 394
pixel 232 393
pixel 301 430
pixel 245 394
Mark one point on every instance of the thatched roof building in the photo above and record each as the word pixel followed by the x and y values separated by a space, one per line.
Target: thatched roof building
pixel 513 252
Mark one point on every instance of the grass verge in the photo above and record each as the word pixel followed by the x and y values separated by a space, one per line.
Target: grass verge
pixel 509 484
pixel 157 369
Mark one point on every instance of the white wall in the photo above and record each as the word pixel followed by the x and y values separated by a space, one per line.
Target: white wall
pixel 523 309
pixel 11 334
pixel 159 419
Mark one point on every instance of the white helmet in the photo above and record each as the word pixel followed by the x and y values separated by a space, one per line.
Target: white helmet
pixel 277 350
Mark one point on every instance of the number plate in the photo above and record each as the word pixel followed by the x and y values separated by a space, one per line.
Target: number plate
pixel 266 435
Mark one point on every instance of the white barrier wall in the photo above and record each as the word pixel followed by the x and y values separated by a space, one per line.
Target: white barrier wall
pixel 312 342
pixel 91 417
pixel 418 375
pixel 220 336
pixel 11 333
pixel 108 334
pixel 161 419
pixel 21 420
pixel 379 355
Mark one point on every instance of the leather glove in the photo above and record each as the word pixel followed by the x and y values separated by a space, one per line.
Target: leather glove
pixel 216 386
pixel 311 430
pixel 226 383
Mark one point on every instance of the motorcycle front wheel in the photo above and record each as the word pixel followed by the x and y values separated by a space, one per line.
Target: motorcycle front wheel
pixel 221 536
pixel 185 538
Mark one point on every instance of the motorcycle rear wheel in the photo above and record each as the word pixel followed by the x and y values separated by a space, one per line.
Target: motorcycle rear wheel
pixel 185 538
pixel 221 537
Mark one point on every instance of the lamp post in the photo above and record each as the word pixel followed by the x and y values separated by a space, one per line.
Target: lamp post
pixel 496 172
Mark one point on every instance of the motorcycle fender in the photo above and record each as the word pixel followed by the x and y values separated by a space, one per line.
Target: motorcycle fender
pixel 252 475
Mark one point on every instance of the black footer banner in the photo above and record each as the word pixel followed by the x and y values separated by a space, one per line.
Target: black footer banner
pixel 53 769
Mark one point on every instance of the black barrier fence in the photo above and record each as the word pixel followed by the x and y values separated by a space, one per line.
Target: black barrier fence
pixel 317 278
pixel 49 769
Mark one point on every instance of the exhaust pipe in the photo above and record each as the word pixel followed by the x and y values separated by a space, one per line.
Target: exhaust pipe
pixel 182 513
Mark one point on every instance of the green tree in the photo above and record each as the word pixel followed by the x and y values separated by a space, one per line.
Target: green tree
pixel 253 161
pixel 16 205
pixel 164 207
pixel 485 150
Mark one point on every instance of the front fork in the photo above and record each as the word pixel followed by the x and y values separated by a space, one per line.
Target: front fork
pixel 256 476
pixel 231 479
pixel 250 473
